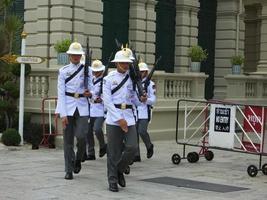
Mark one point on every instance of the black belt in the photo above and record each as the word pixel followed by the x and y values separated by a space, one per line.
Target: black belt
pixel 123 106
pixel 75 95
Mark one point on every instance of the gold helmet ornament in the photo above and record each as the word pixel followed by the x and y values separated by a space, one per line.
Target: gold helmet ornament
pixel 75 49
pixel 129 51
pixel 97 66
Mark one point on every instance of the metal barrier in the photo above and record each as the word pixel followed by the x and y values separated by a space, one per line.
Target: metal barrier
pixel 221 125
pixel 49 132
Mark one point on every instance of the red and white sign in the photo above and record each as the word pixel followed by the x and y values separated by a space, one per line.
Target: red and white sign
pixel 254 119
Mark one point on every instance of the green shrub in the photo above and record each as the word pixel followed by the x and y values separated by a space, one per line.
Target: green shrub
pixel 62 46
pixel 11 137
pixel 15 69
pixel 237 60
pixel 197 54
pixel 12 89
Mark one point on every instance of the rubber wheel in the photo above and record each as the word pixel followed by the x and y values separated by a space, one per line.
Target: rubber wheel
pixel 191 157
pixel 264 169
pixel 176 159
pixel 127 170
pixel 209 155
pixel 252 170
pixel 196 159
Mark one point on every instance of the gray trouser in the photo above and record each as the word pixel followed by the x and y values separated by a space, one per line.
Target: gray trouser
pixel 95 125
pixel 142 125
pixel 121 148
pixel 78 127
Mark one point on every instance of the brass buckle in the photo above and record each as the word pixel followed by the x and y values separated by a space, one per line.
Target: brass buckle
pixel 123 106
pixel 76 95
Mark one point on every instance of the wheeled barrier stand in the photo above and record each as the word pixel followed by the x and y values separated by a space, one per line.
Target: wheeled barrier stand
pixel 221 125
pixel 50 129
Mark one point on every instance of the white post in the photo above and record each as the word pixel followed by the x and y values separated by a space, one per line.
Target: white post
pixel 21 91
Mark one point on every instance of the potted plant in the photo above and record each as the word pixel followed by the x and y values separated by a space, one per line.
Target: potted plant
pixel 61 48
pixel 237 61
pixel 197 55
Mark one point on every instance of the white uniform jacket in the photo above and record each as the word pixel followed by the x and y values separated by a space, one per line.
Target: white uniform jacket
pixel 142 110
pixel 96 109
pixel 66 105
pixel 125 95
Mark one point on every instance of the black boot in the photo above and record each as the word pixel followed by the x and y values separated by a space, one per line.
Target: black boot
pixel 77 167
pixel 69 176
pixel 90 157
pixel 113 187
pixel 150 151
pixel 121 180
pixel 102 151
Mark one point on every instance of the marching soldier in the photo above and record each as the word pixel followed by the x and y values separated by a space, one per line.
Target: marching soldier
pixel 144 112
pixel 73 108
pixel 119 98
pixel 96 112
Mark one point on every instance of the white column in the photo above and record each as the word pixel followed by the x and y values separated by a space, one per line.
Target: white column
pixel 186 32
pixel 262 64
pixel 142 28
pixel 229 42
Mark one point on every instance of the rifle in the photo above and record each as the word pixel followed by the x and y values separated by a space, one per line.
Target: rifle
pixel 104 74
pixel 136 75
pixel 134 72
pixel 88 61
pixel 149 76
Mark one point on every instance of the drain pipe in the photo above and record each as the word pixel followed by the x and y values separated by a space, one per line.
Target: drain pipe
pixel 238 27
pixel 49 32
pixel 72 25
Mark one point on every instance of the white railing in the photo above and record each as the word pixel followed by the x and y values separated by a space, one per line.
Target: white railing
pixel 244 87
pixel 179 85
pixel 37 86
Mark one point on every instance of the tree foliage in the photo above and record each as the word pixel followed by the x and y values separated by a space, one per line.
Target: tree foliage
pixel 10 26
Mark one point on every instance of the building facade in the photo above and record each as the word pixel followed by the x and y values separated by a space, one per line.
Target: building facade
pixel 157 27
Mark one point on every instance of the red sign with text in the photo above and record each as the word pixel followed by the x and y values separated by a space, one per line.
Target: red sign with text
pixel 254 119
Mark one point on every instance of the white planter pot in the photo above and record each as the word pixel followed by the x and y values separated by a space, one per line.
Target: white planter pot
pixel 195 66
pixel 63 59
pixel 236 69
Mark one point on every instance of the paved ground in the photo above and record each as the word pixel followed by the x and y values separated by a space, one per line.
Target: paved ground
pixel 38 174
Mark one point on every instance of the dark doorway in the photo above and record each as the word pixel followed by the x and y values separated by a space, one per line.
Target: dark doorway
pixel 165 34
pixel 206 39
pixel 115 25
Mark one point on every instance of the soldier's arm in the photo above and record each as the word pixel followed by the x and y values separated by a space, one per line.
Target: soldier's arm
pixel 108 103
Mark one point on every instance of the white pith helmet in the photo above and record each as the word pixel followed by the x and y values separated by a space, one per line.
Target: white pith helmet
pixel 143 66
pixel 97 66
pixel 123 56
pixel 75 49
pixel 130 51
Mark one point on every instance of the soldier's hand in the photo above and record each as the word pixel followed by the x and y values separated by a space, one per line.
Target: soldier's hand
pixel 64 121
pixel 123 124
pixel 143 98
pixel 87 93
pixel 98 100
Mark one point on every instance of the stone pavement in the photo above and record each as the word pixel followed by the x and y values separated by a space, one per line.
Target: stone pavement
pixel 39 174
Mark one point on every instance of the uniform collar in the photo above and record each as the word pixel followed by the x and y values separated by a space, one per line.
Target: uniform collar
pixel 73 65
pixel 121 74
